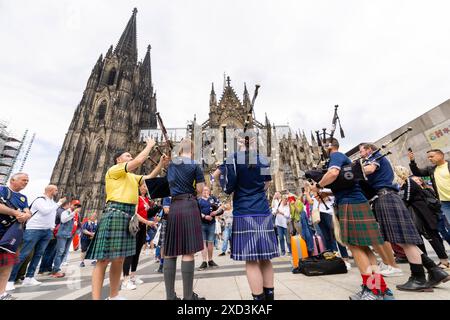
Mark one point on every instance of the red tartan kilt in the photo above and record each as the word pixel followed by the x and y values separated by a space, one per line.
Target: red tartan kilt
pixel 8 259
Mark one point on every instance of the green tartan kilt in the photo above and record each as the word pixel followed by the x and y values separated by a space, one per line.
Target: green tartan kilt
pixel 358 225
pixel 113 239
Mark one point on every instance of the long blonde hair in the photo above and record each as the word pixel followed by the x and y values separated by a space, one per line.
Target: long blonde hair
pixel 401 174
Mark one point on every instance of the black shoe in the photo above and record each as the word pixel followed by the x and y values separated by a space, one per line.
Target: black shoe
pixel 212 264
pixel 196 297
pixel 160 269
pixel 401 260
pixel 436 275
pixel 415 284
pixel 203 266
pixel 222 254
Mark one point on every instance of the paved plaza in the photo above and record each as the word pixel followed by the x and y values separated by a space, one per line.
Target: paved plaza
pixel 227 282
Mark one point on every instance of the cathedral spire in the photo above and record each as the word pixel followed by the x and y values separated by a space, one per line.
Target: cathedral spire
pixel 147 68
pixel 127 42
pixel 212 96
pixel 246 96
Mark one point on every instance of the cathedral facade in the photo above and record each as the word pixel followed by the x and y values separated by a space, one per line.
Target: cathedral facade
pixel 118 102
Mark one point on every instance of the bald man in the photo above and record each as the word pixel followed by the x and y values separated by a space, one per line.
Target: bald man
pixel 37 235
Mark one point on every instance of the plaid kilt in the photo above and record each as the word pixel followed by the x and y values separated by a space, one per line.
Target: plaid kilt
pixel 396 222
pixel 183 231
pixel 8 259
pixel 358 225
pixel 113 239
pixel 253 238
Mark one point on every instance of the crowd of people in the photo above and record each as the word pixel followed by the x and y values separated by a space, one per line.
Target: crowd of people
pixel 374 229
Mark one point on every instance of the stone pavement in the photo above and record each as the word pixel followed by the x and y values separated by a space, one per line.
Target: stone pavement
pixel 227 282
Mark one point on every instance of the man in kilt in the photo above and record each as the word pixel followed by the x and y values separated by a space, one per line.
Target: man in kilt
pixel 253 238
pixel 396 222
pixel 359 229
pixel 113 241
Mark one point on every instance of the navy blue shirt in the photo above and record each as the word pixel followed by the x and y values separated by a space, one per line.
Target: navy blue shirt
pixel 383 177
pixel 206 207
pixel 182 174
pixel 17 199
pixel 249 198
pixel 351 195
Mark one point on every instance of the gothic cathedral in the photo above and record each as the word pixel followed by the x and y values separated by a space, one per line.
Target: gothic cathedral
pixel 117 104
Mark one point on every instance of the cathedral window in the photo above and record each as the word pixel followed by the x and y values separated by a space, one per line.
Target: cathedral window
pixel 101 111
pixel 111 76
pixel 96 159
pixel 82 159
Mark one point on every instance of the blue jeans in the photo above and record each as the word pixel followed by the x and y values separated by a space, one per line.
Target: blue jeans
pixel 326 226
pixel 48 257
pixel 444 221
pixel 226 237
pixel 445 207
pixel 62 248
pixel 284 236
pixel 32 239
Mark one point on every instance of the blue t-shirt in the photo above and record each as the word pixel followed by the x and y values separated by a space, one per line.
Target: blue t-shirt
pixel 383 177
pixel 181 175
pixel 17 199
pixel 89 226
pixel 206 207
pixel 249 198
pixel 166 202
pixel 351 195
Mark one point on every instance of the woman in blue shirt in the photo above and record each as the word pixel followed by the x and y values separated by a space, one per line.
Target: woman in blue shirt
pixel 253 237
pixel 183 235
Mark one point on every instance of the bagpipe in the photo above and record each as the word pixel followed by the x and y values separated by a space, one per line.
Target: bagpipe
pixel 228 177
pixel 159 187
pixel 350 174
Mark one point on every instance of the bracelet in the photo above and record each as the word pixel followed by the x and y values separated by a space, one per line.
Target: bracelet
pixel 318 186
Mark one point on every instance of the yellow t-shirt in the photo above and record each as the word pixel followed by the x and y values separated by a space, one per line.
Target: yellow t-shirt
pixel 122 186
pixel 442 177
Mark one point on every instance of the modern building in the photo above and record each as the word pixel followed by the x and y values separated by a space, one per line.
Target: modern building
pixel 431 130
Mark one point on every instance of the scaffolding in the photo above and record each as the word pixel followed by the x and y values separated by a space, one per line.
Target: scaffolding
pixel 13 151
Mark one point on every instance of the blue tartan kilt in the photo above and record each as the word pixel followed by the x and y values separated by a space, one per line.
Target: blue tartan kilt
pixel 395 220
pixel 253 238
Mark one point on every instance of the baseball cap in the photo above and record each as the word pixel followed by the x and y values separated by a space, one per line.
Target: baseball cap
pixel 76 203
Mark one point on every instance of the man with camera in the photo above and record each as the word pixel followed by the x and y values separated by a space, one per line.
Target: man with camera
pixel 13 210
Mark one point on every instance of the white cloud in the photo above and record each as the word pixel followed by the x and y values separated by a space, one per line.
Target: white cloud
pixel 383 62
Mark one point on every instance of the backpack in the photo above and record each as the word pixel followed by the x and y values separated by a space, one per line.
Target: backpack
pixel 228 177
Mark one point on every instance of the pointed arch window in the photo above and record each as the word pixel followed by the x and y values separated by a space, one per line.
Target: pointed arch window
pixel 96 158
pixel 82 158
pixel 111 76
pixel 102 111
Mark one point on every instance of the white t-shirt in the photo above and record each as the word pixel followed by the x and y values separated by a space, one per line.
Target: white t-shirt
pixel 329 202
pixel 282 219
pixel 44 210
pixel 275 204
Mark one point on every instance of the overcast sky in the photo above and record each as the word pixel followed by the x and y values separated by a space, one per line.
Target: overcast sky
pixel 383 62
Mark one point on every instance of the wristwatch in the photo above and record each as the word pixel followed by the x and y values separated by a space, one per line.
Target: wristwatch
pixel 318 186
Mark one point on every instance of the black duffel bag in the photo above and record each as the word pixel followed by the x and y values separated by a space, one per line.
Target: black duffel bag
pixel 323 264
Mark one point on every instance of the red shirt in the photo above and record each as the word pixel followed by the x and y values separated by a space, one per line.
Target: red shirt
pixel 143 205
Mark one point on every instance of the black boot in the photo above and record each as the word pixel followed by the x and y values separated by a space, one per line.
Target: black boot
pixel 436 275
pixel 258 297
pixel 415 284
pixel 269 293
